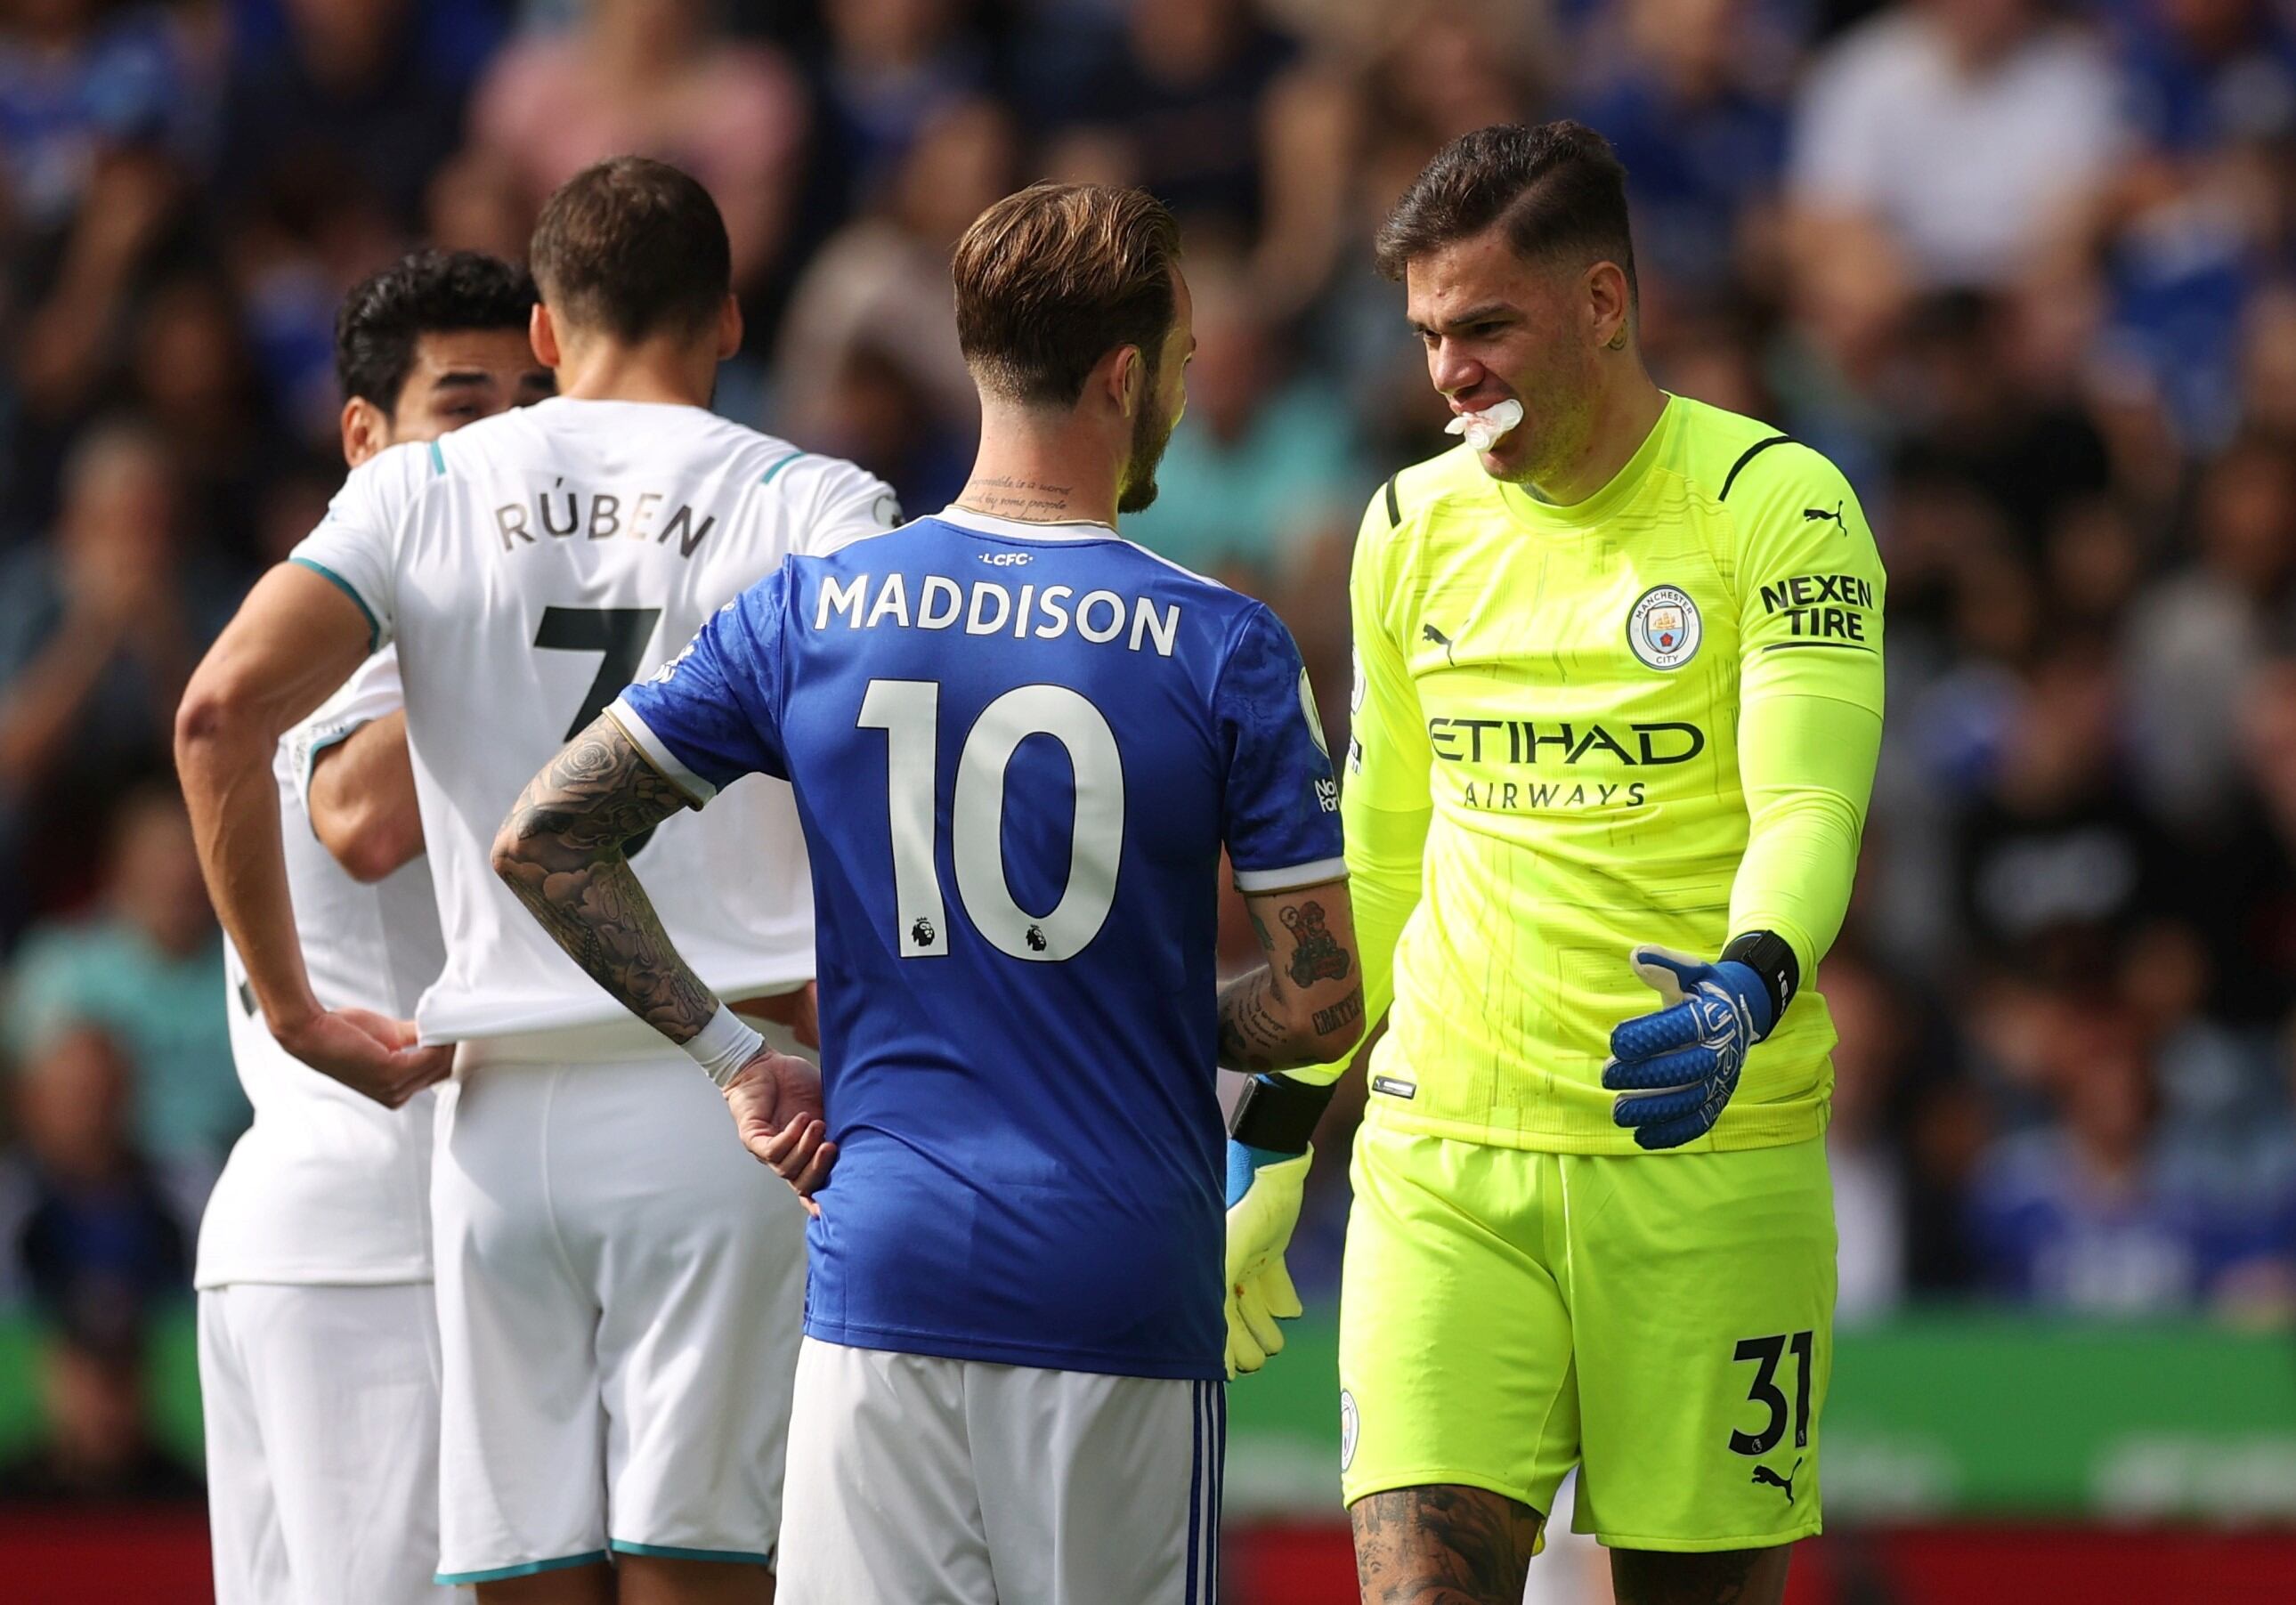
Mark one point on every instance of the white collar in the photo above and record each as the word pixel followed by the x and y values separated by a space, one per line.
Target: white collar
pixel 989 523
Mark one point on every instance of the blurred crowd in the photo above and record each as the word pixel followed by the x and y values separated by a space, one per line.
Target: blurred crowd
pixel 2025 271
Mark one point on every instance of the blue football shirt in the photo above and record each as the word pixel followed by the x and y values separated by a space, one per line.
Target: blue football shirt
pixel 1017 750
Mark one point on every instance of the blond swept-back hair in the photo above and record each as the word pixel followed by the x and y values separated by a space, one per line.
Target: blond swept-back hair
pixel 1051 279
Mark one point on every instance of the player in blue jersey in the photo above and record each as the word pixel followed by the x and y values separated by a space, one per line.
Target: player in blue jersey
pixel 1019 744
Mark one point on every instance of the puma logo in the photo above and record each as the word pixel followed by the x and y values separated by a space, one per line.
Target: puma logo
pixel 1811 515
pixel 1429 633
pixel 1764 1478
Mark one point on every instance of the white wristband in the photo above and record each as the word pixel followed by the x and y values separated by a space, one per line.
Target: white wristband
pixel 724 1046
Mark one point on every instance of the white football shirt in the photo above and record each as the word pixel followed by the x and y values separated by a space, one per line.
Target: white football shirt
pixel 328 1186
pixel 531 565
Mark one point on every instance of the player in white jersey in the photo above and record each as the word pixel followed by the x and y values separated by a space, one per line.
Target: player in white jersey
pixel 318 1343
pixel 620 1286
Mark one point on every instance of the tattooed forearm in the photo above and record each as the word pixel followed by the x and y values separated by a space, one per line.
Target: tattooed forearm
pixel 1316 955
pixel 1306 1006
pixel 561 850
pixel 1442 1546
pixel 1251 1037
pixel 1340 1016
pixel 1258 1034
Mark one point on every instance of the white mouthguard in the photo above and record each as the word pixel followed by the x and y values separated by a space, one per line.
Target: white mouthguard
pixel 1484 429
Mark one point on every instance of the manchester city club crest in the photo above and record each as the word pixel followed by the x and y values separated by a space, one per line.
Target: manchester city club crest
pixel 1663 629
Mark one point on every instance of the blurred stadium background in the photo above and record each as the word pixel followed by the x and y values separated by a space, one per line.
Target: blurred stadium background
pixel 2025 271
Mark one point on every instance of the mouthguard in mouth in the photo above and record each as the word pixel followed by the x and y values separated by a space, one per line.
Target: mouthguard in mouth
pixel 1484 429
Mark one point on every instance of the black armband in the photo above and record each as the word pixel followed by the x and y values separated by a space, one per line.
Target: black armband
pixel 1768 956
pixel 1278 1114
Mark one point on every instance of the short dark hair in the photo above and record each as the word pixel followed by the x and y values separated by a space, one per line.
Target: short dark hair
pixel 1051 279
pixel 1558 188
pixel 424 292
pixel 633 248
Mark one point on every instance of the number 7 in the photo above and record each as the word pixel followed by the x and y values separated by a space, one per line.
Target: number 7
pixel 620 635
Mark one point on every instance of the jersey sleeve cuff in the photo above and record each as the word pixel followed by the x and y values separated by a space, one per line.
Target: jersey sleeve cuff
pixel 309 746
pixel 1318 873
pixel 697 791
pixel 375 636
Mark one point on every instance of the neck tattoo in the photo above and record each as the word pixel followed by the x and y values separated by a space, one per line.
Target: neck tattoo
pixel 1029 501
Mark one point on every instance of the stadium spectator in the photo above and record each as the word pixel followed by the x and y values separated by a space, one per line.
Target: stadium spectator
pixel 347 89
pixel 2201 631
pixel 2097 1213
pixel 1265 464
pixel 1177 109
pixel 1695 110
pixel 655 77
pixel 2058 862
pixel 880 287
pixel 80 79
pixel 99 627
pixel 1869 1183
pixel 96 1445
pixel 893 67
pixel 92 1231
pixel 1935 146
pixel 148 969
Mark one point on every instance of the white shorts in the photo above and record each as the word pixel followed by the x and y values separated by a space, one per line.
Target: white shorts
pixel 321 1406
pixel 620 1291
pixel 919 1480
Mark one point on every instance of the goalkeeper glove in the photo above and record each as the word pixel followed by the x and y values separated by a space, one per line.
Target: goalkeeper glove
pixel 1675 1069
pixel 1263 1207
pixel 1267 1159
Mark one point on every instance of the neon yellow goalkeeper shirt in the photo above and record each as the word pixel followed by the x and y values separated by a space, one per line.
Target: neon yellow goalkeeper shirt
pixel 1651 717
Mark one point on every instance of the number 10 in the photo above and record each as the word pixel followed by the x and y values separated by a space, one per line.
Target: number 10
pixel 908 711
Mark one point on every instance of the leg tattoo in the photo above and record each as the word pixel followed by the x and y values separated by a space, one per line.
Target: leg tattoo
pixel 1738 1576
pixel 1442 1546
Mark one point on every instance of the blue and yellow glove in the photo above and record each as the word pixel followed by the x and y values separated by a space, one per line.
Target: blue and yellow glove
pixel 1268 1153
pixel 1263 1207
pixel 1675 1069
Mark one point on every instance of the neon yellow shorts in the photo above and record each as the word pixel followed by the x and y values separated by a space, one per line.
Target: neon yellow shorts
pixel 1665 1321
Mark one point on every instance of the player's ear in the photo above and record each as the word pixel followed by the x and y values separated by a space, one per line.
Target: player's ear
pixel 542 334
pixel 366 429
pixel 729 328
pixel 1610 303
pixel 1127 380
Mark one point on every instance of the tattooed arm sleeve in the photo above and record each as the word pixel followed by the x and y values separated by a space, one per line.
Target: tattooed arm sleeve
pixel 1306 1005
pixel 561 850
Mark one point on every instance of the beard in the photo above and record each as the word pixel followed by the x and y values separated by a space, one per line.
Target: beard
pixel 1152 432
pixel 1559 423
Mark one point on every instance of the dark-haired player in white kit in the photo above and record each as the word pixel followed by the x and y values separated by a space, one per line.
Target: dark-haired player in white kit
pixel 619 1285
pixel 318 1341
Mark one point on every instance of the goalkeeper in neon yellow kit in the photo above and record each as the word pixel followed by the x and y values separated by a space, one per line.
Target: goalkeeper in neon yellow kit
pixel 1617 703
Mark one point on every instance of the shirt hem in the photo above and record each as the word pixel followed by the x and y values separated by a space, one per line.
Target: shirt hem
pixel 209 1282
pixel 524 1568
pixel 941 1346
pixel 1707 1546
pixel 519 1030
